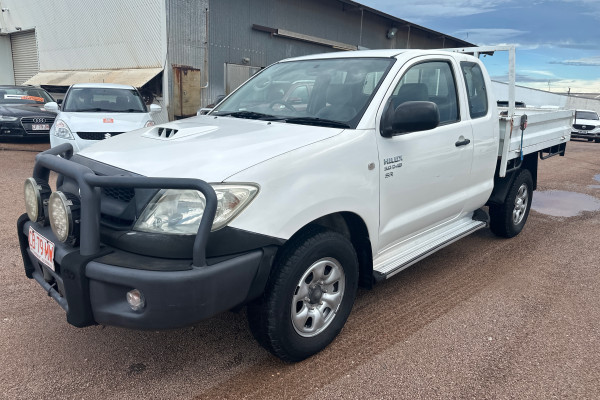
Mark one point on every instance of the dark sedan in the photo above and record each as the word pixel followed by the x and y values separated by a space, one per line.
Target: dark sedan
pixel 22 112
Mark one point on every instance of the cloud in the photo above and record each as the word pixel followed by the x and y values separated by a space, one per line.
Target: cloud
pixel 538 72
pixel 592 6
pixel 563 85
pixel 581 62
pixel 568 44
pixel 525 78
pixel 488 36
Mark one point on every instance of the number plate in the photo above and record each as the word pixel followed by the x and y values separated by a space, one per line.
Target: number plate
pixel 584 132
pixel 42 248
pixel 40 127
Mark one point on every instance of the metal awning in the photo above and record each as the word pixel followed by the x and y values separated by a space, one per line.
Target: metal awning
pixel 137 77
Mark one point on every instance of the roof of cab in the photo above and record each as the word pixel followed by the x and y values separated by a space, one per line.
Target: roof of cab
pixel 385 53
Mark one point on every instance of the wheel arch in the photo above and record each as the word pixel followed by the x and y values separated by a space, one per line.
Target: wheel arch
pixel 502 185
pixel 354 228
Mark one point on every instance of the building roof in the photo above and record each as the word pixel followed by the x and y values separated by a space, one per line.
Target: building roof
pixel 404 23
pixel 136 77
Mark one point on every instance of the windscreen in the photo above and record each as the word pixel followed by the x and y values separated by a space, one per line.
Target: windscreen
pixel 104 100
pixel 24 96
pixel 586 115
pixel 333 92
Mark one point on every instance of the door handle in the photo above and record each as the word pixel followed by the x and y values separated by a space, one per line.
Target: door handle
pixel 463 142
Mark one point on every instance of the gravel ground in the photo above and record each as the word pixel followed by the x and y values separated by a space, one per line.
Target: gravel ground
pixel 482 318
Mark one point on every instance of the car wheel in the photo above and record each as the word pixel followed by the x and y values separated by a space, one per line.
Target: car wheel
pixel 597 140
pixel 590 140
pixel 308 297
pixel 508 219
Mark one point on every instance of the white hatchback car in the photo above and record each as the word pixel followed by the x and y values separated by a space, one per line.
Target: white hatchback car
pixel 95 111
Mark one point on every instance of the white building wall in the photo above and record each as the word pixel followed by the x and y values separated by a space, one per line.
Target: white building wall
pixel 99 34
pixel 6 65
pixel 540 98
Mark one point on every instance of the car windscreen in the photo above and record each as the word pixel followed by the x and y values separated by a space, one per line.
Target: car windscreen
pixel 586 115
pixel 327 92
pixel 24 96
pixel 103 100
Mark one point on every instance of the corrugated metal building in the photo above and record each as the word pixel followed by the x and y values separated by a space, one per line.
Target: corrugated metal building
pixel 185 53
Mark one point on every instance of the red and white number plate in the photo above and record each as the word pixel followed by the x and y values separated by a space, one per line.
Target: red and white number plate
pixel 42 248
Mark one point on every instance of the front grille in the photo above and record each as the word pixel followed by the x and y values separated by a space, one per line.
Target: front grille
pixel 97 135
pixel 121 194
pixel 29 123
pixel 584 127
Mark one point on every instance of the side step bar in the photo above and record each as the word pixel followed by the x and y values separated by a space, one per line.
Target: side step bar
pixel 403 260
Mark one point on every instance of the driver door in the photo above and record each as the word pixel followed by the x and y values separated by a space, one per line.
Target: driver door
pixel 425 175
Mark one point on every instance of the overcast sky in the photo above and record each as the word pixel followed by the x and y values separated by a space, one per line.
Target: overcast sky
pixel 558 41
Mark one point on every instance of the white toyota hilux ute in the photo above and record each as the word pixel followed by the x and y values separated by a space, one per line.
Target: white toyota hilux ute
pixel 285 204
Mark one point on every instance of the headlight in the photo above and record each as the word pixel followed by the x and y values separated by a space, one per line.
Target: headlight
pixel 180 211
pixel 61 130
pixel 149 123
pixel 6 118
pixel 36 193
pixel 63 213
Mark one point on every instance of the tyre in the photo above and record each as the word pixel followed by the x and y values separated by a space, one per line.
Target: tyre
pixel 308 297
pixel 590 140
pixel 597 140
pixel 508 219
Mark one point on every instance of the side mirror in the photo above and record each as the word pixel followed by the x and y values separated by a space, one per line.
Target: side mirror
pixel 410 116
pixel 154 108
pixel 203 110
pixel 52 106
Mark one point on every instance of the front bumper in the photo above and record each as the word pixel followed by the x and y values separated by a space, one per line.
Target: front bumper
pixel 90 283
pixel 15 129
pixel 595 134
pixel 92 291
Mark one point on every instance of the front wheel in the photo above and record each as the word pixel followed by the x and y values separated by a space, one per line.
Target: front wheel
pixel 309 295
pixel 508 219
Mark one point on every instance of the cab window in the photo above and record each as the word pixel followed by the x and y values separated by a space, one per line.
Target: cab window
pixel 476 91
pixel 430 81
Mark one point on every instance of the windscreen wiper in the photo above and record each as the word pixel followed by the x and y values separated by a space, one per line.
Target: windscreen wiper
pixel 317 121
pixel 249 115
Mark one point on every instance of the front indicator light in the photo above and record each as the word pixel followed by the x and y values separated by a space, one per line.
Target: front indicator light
pixel 63 213
pixel 36 195
pixel 136 300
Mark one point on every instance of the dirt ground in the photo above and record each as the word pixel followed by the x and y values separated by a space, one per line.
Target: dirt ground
pixel 484 318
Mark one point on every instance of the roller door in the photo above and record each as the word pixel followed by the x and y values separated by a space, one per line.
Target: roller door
pixel 25 55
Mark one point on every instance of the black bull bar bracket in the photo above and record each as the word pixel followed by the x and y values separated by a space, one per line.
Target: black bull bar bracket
pixel 76 285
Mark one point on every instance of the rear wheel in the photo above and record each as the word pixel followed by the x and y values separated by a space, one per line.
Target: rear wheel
pixel 597 140
pixel 308 297
pixel 508 219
